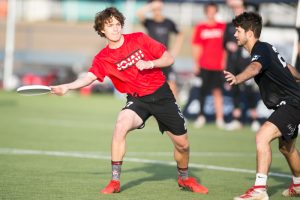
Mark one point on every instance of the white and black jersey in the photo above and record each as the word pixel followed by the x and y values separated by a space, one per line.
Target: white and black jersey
pixel 276 83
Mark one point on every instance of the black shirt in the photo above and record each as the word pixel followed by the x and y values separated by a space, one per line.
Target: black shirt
pixel 275 81
pixel 160 31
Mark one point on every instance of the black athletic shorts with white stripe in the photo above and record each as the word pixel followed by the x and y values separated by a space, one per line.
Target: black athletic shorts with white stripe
pixel 162 105
pixel 287 119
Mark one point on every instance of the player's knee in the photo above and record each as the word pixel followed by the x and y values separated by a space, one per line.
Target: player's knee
pixel 260 141
pixel 183 147
pixel 120 131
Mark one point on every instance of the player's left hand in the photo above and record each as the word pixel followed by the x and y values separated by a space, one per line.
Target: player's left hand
pixel 142 64
pixel 230 78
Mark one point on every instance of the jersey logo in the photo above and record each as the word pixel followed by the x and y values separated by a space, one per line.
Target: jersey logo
pixel 291 128
pixel 255 57
pixel 130 60
pixel 129 103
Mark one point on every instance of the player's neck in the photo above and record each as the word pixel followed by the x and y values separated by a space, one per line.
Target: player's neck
pixel 250 44
pixel 159 18
pixel 116 44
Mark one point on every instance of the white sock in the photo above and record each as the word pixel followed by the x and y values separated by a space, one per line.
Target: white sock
pixel 296 180
pixel 261 179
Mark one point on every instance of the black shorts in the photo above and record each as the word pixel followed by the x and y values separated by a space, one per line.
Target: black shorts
pixel 212 79
pixel 287 119
pixel 162 105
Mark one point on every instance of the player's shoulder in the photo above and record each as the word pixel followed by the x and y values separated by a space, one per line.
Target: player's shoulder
pixel 262 46
pixel 102 54
pixel 135 35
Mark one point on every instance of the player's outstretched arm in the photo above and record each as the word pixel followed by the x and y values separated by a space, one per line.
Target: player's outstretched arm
pixel 251 70
pixel 60 90
pixel 294 72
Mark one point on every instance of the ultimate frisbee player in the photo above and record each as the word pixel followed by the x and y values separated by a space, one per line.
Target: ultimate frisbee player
pixel 133 62
pixel 277 82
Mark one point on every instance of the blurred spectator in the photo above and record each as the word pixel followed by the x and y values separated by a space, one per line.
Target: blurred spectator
pixel 237 60
pixel 208 57
pixel 160 28
pixel 3 9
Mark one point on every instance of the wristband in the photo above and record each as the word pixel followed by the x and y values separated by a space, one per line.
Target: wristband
pixel 152 64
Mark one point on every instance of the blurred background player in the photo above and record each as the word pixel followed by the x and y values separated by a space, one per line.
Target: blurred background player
pixel 237 59
pixel 208 58
pixel 161 28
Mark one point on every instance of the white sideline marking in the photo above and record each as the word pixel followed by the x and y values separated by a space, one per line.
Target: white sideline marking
pixel 138 160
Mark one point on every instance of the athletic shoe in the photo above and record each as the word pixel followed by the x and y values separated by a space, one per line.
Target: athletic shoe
pixel 233 125
pixel 200 122
pixel 192 185
pixel 255 125
pixel 220 124
pixel 254 193
pixel 292 191
pixel 112 187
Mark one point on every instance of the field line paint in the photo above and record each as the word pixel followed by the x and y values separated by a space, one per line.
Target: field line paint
pixel 95 155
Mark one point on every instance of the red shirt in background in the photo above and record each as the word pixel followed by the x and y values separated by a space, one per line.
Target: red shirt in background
pixel 210 37
pixel 119 65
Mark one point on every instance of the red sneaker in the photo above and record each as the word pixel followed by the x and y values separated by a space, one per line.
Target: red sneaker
pixel 112 187
pixel 292 191
pixel 258 192
pixel 192 185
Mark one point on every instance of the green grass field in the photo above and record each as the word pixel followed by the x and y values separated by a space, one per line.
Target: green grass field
pixel 59 148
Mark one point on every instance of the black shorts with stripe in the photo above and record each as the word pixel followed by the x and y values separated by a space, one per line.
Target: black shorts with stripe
pixel 287 119
pixel 162 105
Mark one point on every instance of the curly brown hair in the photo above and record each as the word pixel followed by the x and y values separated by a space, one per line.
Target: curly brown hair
pixel 105 16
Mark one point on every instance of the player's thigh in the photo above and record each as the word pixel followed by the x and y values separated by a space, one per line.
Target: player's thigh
pixel 267 132
pixel 128 120
pixel 286 146
pixel 180 141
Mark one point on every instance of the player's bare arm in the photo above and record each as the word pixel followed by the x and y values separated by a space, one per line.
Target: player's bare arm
pixel 177 44
pixel 79 83
pixel 294 72
pixel 164 61
pixel 252 70
pixel 141 13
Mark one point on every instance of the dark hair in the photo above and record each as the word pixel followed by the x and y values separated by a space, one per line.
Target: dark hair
pixel 105 16
pixel 210 3
pixel 249 21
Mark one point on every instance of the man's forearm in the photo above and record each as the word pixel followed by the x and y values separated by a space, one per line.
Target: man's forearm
pixel 81 82
pixel 164 61
pixel 251 70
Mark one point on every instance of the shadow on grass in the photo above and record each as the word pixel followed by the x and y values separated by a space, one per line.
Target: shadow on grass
pixel 157 172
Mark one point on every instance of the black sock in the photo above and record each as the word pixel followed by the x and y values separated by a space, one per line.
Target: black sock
pixel 116 170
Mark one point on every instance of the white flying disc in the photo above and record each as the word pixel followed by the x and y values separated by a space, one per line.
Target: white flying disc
pixel 31 90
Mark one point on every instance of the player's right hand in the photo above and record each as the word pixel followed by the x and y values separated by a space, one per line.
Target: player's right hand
pixel 59 90
pixel 230 78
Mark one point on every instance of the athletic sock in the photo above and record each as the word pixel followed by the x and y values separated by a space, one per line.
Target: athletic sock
pixel 261 179
pixel 183 173
pixel 296 180
pixel 116 170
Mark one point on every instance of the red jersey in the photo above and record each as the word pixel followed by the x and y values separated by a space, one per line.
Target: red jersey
pixel 210 37
pixel 119 65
